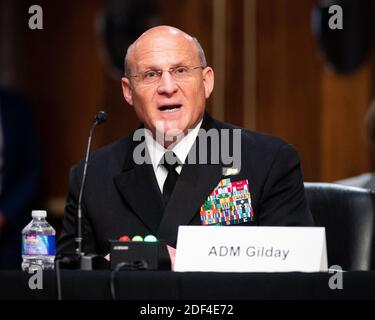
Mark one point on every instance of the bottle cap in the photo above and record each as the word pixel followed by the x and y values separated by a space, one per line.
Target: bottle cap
pixel 39 213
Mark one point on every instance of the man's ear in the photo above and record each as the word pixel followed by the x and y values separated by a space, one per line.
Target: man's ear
pixel 127 90
pixel 208 81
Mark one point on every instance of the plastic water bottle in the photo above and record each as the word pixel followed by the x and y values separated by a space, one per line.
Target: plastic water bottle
pixel 38 242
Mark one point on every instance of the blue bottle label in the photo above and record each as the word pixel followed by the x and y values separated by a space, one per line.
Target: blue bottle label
pixel 41 245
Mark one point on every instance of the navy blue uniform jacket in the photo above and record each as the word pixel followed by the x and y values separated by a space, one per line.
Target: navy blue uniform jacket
pixel 123 198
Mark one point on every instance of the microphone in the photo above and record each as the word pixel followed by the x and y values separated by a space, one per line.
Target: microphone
pixel 100 117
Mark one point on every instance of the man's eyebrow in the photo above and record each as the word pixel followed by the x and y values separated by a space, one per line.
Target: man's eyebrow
pixel 152 67
pixel 173 65
pixel 179 64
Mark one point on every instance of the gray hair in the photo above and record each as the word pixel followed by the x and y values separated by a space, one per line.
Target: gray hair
pixel 202 57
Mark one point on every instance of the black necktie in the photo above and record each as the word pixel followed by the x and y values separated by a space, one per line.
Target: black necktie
pixel 170 162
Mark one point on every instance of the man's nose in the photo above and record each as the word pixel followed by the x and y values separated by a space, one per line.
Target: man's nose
pixel 167 84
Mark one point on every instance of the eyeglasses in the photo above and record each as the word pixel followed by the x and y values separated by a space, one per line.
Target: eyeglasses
pixel 180 73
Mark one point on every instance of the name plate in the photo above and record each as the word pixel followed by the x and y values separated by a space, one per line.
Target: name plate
pixel 251 249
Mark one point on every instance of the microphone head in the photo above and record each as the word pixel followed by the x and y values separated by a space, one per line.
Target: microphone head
pixel 100 117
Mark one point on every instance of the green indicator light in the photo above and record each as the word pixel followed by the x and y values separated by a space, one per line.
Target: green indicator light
pixel 137 239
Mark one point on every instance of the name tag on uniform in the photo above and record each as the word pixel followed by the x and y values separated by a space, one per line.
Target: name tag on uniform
pixel 251 249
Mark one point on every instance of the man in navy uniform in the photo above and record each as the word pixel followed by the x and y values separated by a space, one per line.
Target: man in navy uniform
pixel 167 82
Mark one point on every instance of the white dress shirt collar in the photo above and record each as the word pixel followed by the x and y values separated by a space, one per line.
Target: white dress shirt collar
pixel 181 149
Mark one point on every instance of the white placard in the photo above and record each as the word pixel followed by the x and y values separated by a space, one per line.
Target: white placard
pixel 251 249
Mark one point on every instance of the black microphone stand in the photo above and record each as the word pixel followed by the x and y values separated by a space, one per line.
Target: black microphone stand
pixel 80 260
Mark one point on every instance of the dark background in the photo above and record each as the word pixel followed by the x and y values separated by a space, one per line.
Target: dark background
pixel 271 76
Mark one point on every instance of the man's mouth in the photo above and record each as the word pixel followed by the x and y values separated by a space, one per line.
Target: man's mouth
pixel 170 108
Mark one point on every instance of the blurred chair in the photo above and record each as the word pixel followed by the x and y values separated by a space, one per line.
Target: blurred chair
pixel 348 214
pixel 20 174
